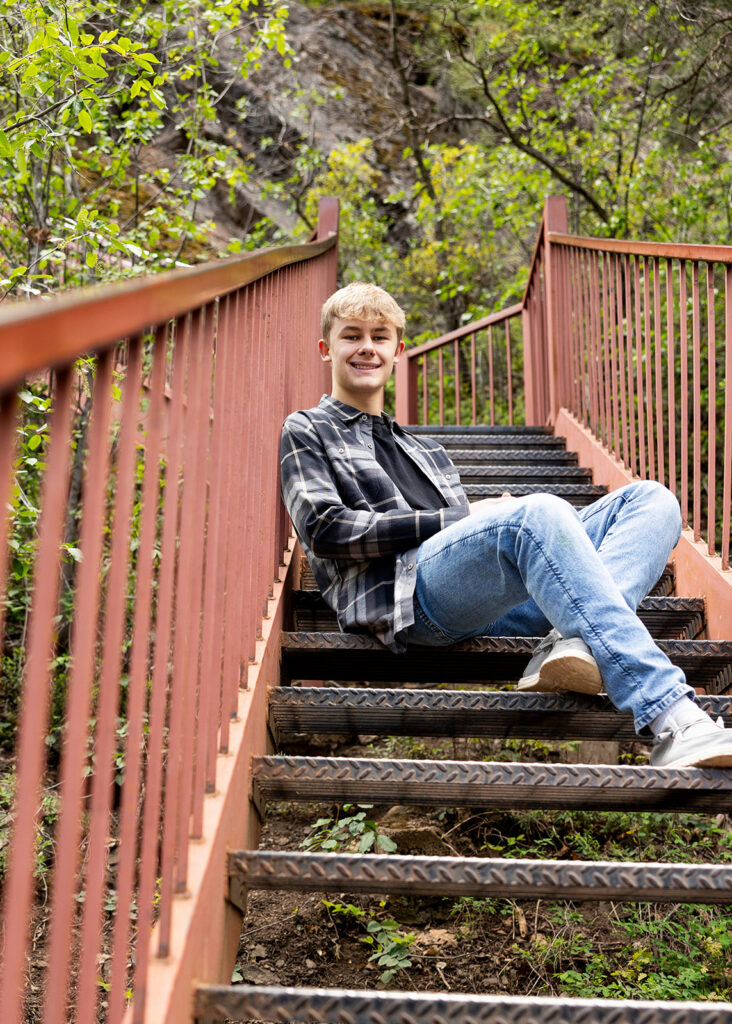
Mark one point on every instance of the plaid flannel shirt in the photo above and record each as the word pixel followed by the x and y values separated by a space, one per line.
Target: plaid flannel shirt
pixel 359 533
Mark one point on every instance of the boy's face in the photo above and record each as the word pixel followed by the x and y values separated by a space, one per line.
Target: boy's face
pixel 362 354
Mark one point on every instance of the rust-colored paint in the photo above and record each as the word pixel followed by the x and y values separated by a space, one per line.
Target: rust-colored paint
pixel 205 931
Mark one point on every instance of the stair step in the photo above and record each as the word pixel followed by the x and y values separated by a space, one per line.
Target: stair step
pixel 360 656
pixel 519 456
pixel 577 494
pixel 670 617
pixel 351 1006
pixel 490 784
pixel 498 442
pixel 525 474
pixel 476 876
pixel 516 430
pixel 311 710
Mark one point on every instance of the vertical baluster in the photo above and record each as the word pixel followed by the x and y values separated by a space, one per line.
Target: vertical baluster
pixel 473 398
pixel 164 624
pixel 425 392
pixel 684 389
pixel 590 341
pixel 660 443
pixel 727 480
pixel 490 376
pixel 441 386
pixel 622 380
pixel 633 465
pixel 105 737
pixel 649 366
pixel 31 747
pixel 610 284
pixel 213 619
pixel 696 397
pixel 509 373
pixel 238 469
pixel 597 360
pixel 148 867
pixel 456 349
pixel 711 413
pixel 639 372
pixel 671 375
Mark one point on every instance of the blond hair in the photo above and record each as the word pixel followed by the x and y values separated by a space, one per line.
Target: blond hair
pixel 361 301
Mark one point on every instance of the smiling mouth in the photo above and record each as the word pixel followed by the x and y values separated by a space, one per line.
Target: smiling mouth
pixel 364 366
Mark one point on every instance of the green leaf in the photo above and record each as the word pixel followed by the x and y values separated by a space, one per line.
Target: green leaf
pixel 6 146
pixel 91 259
pixel 85 120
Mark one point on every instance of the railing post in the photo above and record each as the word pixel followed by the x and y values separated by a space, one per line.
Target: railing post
pixel 405 380
pixel 328 215
pixel 555 219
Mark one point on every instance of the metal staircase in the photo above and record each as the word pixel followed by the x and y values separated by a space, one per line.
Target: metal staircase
pixel 491 460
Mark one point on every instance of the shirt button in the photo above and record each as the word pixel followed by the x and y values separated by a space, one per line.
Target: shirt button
pixel 363 418
pixel 410 566
pixel 369 446
pixel 341 450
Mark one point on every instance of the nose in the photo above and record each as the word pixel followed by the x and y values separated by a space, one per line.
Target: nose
pixel 367 344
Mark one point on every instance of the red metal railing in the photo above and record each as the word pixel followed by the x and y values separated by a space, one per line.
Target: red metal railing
pixel 646 365
pixel 464 377
pixel 634 339
pixel 152 550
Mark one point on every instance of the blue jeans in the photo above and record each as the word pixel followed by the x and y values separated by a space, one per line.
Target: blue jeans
pixel 525 564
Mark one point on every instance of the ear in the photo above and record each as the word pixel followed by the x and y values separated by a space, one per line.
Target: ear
pixel 400 349
pixel 324 350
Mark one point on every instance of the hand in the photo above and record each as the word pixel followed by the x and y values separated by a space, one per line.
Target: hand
pixel 477 506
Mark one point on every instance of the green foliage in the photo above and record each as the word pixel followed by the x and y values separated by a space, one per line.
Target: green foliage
pixel 391 947
pixel 84 89
pixel 683 954
pixel 50 807
pixel 330 834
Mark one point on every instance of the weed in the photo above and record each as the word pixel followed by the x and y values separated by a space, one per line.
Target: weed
pixel 339 833
pixel 392 947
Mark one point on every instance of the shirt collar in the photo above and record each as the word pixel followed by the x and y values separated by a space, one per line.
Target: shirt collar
pixel 348 413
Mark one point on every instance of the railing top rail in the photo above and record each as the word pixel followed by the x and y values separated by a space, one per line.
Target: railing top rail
pixel 463 332
pixel 43 333
pixel 669 250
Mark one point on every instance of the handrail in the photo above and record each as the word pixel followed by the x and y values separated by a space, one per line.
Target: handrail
pixel 48 332
pixel 139 490
pixel 669 250
pixel 466 331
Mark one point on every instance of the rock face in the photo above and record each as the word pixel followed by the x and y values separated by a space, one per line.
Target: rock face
pixel 341 87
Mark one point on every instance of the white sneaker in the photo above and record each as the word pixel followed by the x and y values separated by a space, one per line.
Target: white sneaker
pixel 560 666
pixel 697 745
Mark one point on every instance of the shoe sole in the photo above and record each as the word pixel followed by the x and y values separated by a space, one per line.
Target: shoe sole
pixel 566 674
pixel 712 761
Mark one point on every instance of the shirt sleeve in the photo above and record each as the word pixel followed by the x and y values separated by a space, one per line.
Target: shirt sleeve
pixel 329 527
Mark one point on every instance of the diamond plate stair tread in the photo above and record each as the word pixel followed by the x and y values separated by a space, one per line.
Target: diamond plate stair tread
pixel 476 876
pixel 515 430
pixel 514 457
pixel 525 475
pixel 351 1006
pixel 491 784
pixel 501 442
pixel 576 494
pixel 310 710
pixel 360 656
pixel 679 618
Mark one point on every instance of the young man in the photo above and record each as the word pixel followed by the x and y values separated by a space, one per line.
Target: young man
pixel 397 549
